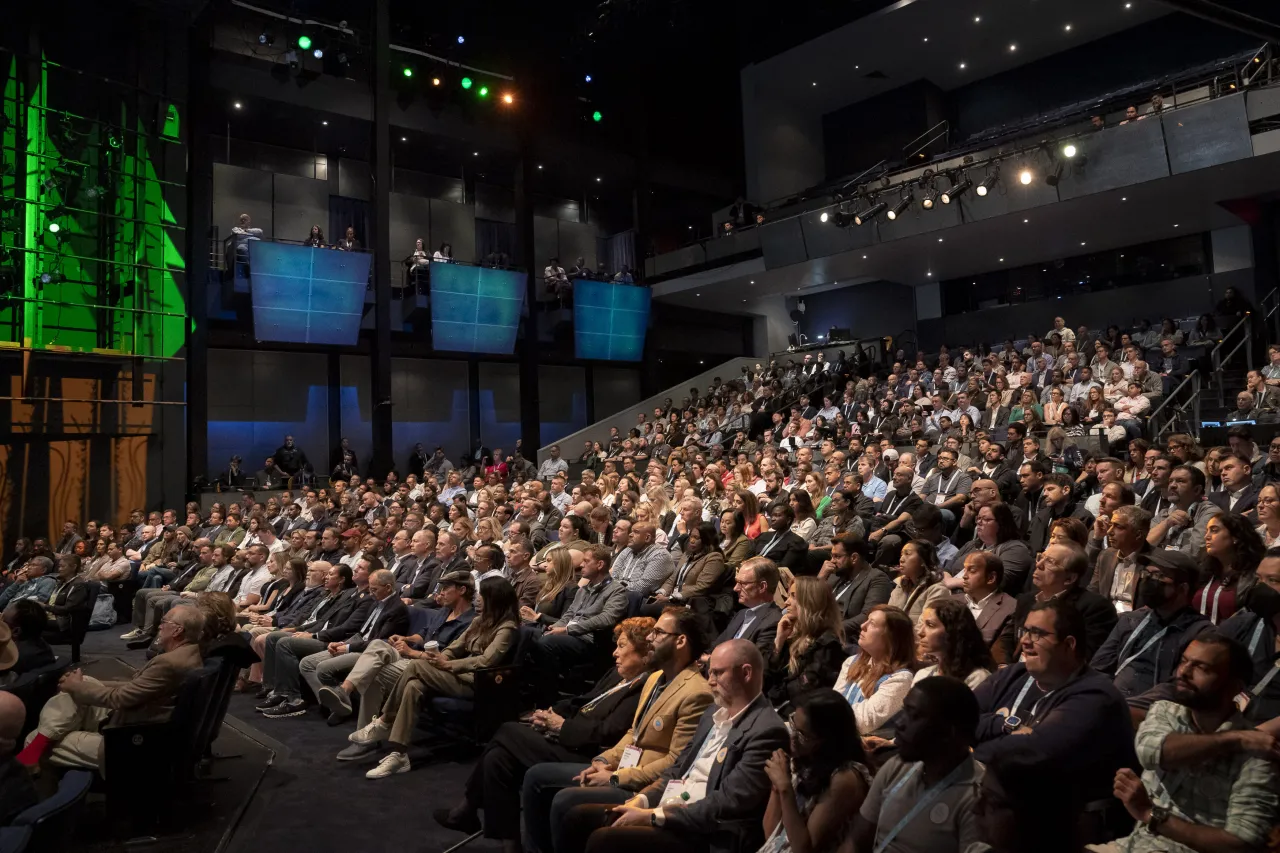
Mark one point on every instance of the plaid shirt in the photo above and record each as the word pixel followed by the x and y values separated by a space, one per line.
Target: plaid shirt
pixel 1236 793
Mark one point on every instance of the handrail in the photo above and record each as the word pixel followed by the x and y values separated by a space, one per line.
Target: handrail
pixel 1168 398
pixel 856 179
pixel 1215 355
pixel 1192 401
pixel 911 149
pixel 1273 311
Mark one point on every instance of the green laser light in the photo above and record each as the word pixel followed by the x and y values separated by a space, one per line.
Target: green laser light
pixel 466 82
pixel 597 116
pixel 408 72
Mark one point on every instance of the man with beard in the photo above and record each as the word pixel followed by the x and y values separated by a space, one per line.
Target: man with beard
pixel 1146 645
pixel 1209 778
pixel 923 798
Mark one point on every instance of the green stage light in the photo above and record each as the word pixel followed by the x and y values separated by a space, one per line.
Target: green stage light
pixel 597 116
pixel 466 82
pixel 55 227
pixel 304 42
pixel 484 91
pixel 408 72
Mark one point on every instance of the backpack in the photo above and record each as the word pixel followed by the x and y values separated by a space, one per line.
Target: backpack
pixel 104 612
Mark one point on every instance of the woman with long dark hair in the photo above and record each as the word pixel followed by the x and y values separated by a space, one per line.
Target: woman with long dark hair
pixel 734 543
pixel 1233 551
pixel 486 642
pixel 316 238
pixel 806 523
pixel 996 530
pixel 696 574
pixel 950 642
pixel 754 522
pixel 919 581
pixel 823 781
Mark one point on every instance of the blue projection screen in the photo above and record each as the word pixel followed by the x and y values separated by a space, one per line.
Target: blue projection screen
pixel 475 309
pixel 610 320
pixel 307 296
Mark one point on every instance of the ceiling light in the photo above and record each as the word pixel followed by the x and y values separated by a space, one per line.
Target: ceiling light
pixel 484 91
pixel 435 81
pixel 597 180
pixel 318 53
pixel 1069 150
pixel 900 208
pixel 1013 48
pixel 987 183
pixel 1025 221
pixel 304 42
pixel 1081 242
pixel 508 98
pixel 404 139
pixel 1175 225
pixel 1024 177
pixel 870 213
pixel 407 71
pixel 462 39
pixel 1126 198
pixel 587 78
pixel 939 239
pixel 927 201
pixel 929 274
pixel 823 217
pixel 959 189
pixel 325 123
pixel 539 165
pixel 926 39
pixel 475 153
pixel 265 37
pixel 977 19
pixel 466 82
pixel 238 105
pixel 814 84
pixel 962 66
pixel 1128 5
pixel 1067 28
pixel 1002 260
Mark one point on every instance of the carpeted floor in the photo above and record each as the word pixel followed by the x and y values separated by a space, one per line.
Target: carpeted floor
pixel 307 800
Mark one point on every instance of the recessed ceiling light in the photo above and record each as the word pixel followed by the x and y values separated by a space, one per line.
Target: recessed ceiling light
pixel 690 227
pixel 815 83
pixel 1081 242
pixel 939 239
pixel 1128 5
pixel 1025 221
pixel 977 19
pixel 325 123
pixel 1125 198
pixel 404 139
pixel 1002 260
pixel 539 165
pixel 1175 225
pixel 1013 48
pixel 697 294
pixel 926 38
pixel 1067 28
pixel 753 282
pixel 930 274
pixel 237 105
pixel 598 180
pixel 962 66
pixel 864 257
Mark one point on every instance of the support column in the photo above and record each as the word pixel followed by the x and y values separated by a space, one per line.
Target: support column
pixel 333 382
pixel 527 346
pixel 380 353
pixel 199 213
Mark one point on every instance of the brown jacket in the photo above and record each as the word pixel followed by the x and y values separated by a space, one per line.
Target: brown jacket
pixel 471 651
pixel 701 578
pixel 147 697
pixel 665 728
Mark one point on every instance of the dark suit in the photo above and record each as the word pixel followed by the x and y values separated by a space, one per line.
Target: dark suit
pixel 1104 574
pixel 67 599
pixel 1248 500
pixel 1099 614
pixel 725 820
pixel 394 619
pixel 424 582
pixel 761 630
pixel 406 570
pixel 857 595
pixel 784 548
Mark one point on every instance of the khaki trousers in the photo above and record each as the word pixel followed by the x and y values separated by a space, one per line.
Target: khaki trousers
pixel 73 728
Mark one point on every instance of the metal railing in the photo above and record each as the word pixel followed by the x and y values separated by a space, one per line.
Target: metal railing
pixel 1178 411
pixel 1217 358
pixel 1269 306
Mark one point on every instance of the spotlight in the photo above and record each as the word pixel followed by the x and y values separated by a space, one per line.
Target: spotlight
pixel 823 217
pixel 587 78
pixel 1069 151
pixel 842 219
pixel 266 37
pixel 318 53
pixel 597 116
pixel 1024 177
pixel 408 72
pixel 869 214
pixel 50 278
pixel 987 184
pixel 957 190
pixel 928 200
pixel 466 82
pixel 462 40
pixel 899 208
pixel 484 91
pixel 54 227
pixel 304 42
pixel 1053 179
pixel 435 81
pixel 508 99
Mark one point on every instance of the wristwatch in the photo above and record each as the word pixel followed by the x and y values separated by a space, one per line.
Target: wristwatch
pixel 1159 814
pixel 614 781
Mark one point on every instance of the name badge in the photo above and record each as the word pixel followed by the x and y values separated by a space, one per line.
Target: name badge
pixel 940 499
pixel 630 757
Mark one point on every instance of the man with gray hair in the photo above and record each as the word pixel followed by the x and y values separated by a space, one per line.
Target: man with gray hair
pixel 35 581
pixel 70 721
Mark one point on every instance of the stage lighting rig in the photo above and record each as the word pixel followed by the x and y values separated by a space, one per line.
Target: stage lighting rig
pixel 959 188
pixel 267 38
pixel 900 208
pixel 988 183
pixel 869 214
pixel 49 277
pixel 1054 177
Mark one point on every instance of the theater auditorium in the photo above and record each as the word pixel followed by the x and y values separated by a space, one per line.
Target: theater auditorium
pixel 619 426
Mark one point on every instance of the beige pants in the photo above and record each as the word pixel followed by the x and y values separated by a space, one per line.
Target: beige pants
pixel 374 676
pixel 73 729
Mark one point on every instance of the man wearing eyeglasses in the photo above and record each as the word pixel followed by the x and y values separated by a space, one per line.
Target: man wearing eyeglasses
pixel 70 721
pixel 1145 646
pixel 1269 470
pixel 1068 713
pixel 1057 574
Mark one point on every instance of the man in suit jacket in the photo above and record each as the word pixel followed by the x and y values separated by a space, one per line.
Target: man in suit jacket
pixel 858 585
pixel 1127 537
pixel 779 543
pixel 756 581
pixel 1057 575
pixel 721 771
pixel 447 558
pixel 992 609
pixel 69 722
pixel 1238 494
pixel 388 617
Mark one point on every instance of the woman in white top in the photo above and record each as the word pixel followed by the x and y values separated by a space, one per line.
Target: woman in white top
pixel 1269 515
pixel 920 581
pixel 443 255
pixel 1116 386
pixel 878 678
pixel 806 523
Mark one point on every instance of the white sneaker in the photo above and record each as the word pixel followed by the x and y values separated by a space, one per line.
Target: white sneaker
pixel 375 732
pixel 396 762
pixel 132 635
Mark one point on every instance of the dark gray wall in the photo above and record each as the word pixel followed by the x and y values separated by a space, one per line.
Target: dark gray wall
pixel 562 400
pixel 500 405
pixel 615 390
pixel 869 310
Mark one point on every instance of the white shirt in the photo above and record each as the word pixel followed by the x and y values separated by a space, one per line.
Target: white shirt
pixel 695 780
pixel 253 582
pixel 975 607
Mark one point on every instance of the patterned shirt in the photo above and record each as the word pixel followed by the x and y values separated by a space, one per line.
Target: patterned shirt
pixel 1236 793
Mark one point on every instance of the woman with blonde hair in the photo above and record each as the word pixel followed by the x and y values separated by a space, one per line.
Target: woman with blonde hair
pixel 645 515
pixel 659 502
pixel 809 646
pixel 557 590
pixel 876 679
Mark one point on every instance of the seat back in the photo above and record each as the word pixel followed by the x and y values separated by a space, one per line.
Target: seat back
pixel 53 821
pixel 14 839
pixel 223 687
pixel 81 617
pixel 424 620
pixel 195 705
pixel 35 688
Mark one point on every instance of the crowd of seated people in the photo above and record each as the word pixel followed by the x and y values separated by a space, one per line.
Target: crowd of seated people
pixel 869 631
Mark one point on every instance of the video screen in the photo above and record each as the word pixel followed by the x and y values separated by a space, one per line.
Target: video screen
pixel 475 309
pixel 307 296
pixel 609 320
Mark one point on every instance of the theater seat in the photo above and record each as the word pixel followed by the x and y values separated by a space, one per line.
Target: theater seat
pixel 52 822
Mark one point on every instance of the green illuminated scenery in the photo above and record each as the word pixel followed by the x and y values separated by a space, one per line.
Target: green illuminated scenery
pixel 93 241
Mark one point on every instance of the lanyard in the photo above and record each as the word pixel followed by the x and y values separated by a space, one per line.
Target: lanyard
pixel 1204 601
pixel 888 513
pixel 924 800
pixel 1257 636
pixel 950 483
pixel 1257 689
pixel 1022 694
pixel 764 552
pixel 1148 644
pixel 680 575
pixel 621 685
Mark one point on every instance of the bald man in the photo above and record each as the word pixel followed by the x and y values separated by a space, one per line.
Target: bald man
pixel 16 791
pixel 735 738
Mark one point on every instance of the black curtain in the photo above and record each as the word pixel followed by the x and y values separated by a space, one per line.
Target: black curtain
pixel 493 236
pixel 348 213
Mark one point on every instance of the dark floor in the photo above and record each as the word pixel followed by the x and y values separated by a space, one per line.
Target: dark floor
pixel 307 800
